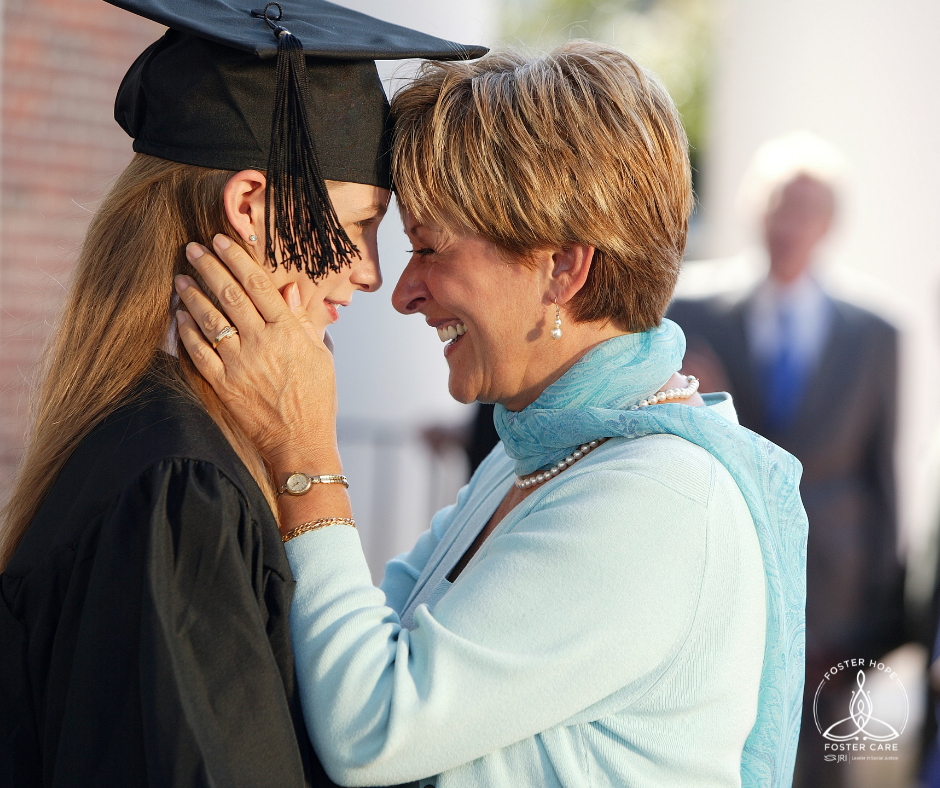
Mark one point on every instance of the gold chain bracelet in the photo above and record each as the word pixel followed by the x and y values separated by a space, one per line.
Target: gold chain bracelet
pixel 316 525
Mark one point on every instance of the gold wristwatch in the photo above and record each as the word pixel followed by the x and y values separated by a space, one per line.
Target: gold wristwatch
pixel 298 483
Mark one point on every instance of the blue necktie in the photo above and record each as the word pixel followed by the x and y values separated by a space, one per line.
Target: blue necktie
pixel 786 376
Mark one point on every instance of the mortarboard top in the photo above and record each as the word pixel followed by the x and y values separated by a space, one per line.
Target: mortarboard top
pixel 289 88
pixel 326 30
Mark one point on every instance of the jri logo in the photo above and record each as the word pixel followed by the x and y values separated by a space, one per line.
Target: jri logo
pixel 850 719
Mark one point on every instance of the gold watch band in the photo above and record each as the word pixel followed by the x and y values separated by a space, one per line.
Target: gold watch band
pixel 299 483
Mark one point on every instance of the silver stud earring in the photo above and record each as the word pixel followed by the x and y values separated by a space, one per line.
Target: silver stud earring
pixel 556 331
pixel 252 238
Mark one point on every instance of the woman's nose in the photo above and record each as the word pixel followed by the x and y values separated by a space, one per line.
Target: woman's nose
pixel 411 292
pixel 366 273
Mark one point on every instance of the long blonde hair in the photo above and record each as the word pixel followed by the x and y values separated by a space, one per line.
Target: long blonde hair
pixel 116 320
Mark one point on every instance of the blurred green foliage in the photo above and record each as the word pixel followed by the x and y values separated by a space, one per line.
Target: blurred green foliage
pixel 673 38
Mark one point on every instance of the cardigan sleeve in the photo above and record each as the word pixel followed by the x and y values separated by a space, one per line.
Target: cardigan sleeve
pixel 592 590
pixel 403 571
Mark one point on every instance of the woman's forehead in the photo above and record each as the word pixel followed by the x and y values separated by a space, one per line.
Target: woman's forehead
pixel 425 225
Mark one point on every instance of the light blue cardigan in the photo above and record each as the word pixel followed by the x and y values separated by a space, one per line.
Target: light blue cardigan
pixel 610 632
pixel 638 620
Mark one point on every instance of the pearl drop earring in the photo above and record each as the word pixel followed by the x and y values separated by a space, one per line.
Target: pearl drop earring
pixel 252 238
pixel 556 331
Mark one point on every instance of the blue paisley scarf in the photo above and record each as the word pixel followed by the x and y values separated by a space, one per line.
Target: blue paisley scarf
pixel 594 400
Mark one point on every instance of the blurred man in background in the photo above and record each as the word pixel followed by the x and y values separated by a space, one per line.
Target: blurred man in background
pixel 818 376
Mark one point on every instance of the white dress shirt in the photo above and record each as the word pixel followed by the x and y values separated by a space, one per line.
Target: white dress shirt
pixel 812 312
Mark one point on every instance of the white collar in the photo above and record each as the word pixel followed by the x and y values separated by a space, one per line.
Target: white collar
pixel 809 306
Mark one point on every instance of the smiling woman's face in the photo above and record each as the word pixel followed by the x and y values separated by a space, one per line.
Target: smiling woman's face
pixel 491 313
pixel 360 209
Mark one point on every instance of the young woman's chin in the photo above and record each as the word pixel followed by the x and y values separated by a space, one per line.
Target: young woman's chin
pixel 322 315
pixel 320 323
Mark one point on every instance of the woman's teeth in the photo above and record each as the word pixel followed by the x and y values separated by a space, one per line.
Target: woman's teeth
pixel 451 332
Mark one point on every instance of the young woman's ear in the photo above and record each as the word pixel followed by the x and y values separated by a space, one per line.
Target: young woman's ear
pixel 243 198
pixel 570 268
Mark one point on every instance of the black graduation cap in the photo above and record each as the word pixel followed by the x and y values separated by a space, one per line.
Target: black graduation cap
pixel 289 88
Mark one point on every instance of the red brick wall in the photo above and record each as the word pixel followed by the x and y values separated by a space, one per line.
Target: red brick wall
pixel 60 147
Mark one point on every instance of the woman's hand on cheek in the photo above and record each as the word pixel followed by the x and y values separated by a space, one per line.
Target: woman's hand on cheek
pixel 276 376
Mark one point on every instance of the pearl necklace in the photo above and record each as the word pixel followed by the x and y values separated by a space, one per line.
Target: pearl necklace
pixel 535 479
pixel 690 388
pixel 524 483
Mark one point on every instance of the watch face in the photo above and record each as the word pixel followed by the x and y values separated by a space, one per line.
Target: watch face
pixel 298 483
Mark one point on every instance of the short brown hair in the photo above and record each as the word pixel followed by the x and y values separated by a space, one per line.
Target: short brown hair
pixel 581 145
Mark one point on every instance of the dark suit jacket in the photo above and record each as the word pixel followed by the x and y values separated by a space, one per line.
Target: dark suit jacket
pixel 844 436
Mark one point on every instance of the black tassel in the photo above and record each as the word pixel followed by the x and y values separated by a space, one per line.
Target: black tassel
pixel 306 228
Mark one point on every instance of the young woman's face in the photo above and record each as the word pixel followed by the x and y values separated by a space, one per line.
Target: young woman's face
pixel 491 313
pixel 359 208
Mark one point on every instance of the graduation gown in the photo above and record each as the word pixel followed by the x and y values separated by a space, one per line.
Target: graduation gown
pixel 144 618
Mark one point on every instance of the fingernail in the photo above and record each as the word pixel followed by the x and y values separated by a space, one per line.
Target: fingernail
pixel 182 282
pixel 221 242
pixel 194 251
pixel 181 317
pixel 293 296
